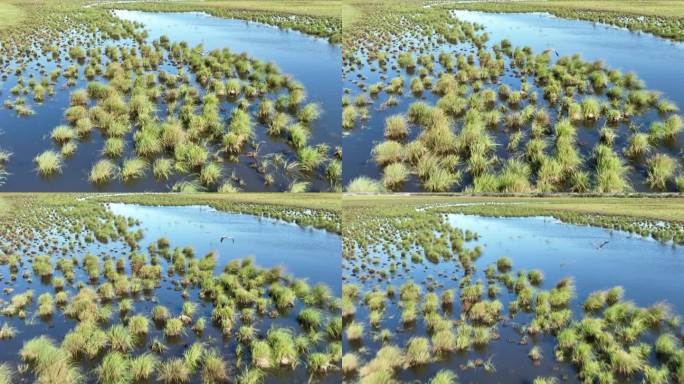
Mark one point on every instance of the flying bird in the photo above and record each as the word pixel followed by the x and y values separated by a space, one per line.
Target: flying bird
pixel 228 237
pixel 602 244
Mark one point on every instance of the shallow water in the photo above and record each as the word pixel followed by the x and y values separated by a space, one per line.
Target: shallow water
pixel 304 252
pixel 657 61
pixel 312 61
pixel 654 60
pixel 649 271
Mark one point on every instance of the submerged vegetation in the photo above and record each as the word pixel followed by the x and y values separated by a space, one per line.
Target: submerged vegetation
pixel 184 116
pixel 418 296
pixel 95 278
pixel 459 112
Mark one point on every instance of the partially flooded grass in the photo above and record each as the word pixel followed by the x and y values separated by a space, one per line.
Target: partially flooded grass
pixel 166 103
pixel 399 328
pixel 95 313
pixel 463 113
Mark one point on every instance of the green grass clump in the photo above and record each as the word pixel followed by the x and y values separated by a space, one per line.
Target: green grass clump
pixel 173 371
pixel 661 169
pixel 69 149
pixel 162 168
pixel 114 147
pixel 51 364
pixel 299 135
pixel 213 367
pixel 310 158
pixel 262 355
pixel 133 169
pixel 638 145
pixel 5 374
pixel 354 331
pixel 210 174
pixel 48 163
pixel 396 127
pixel 444 376
pixel 610 171
pixel 365 184
pixel 62 134
pixel 388 152
pixel 142 367
pixel 173 328
pixel 138 325
pixel 114 369
pixel 394 175
pixel 120 338
pixel 309 113
pixel 102 172
pixel 7 332
pixel 349 116
pixel 417 351
pixel 310 318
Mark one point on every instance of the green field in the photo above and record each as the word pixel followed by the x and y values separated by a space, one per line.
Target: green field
pixel 661 8
pixel 326 8
pixel 10 15
pixel 670 208
pixel 664 18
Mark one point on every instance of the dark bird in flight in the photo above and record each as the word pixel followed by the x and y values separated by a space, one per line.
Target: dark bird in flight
pixel 228 237
pixel 602 244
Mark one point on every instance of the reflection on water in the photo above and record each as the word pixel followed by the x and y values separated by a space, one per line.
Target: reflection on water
pixel 648 270
pixel 304 252
pixel 657 61
pixel 311 61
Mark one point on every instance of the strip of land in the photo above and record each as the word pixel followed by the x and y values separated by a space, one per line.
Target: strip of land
pixel 656 207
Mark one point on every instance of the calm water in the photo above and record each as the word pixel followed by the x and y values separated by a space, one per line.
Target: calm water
pixel 649 271
pixel 304 252
pixel 655 60
pixel 312 61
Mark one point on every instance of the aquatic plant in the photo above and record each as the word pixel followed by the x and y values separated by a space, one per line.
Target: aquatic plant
pixel 114 369
pixel 48 163
pixel 354 331
pixel 173 371
pixel 661 169
pixel 444 376
pixel 417 351
pixel 173 327
pixel 365 184
pixel 102 172
pixel 133 168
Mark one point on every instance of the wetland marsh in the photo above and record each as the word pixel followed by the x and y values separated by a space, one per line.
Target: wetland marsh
pixel 442 100
pixel 435 292
pixel 105 292
pixel 133 101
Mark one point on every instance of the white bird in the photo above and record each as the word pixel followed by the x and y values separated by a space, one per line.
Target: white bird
pixel 228 237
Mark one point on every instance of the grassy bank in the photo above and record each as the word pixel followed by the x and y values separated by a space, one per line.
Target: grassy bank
pixel 320 210
pixel 314 17
pixel 10 15
pixel 660 17
pixel 644 207
pixel 659 217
